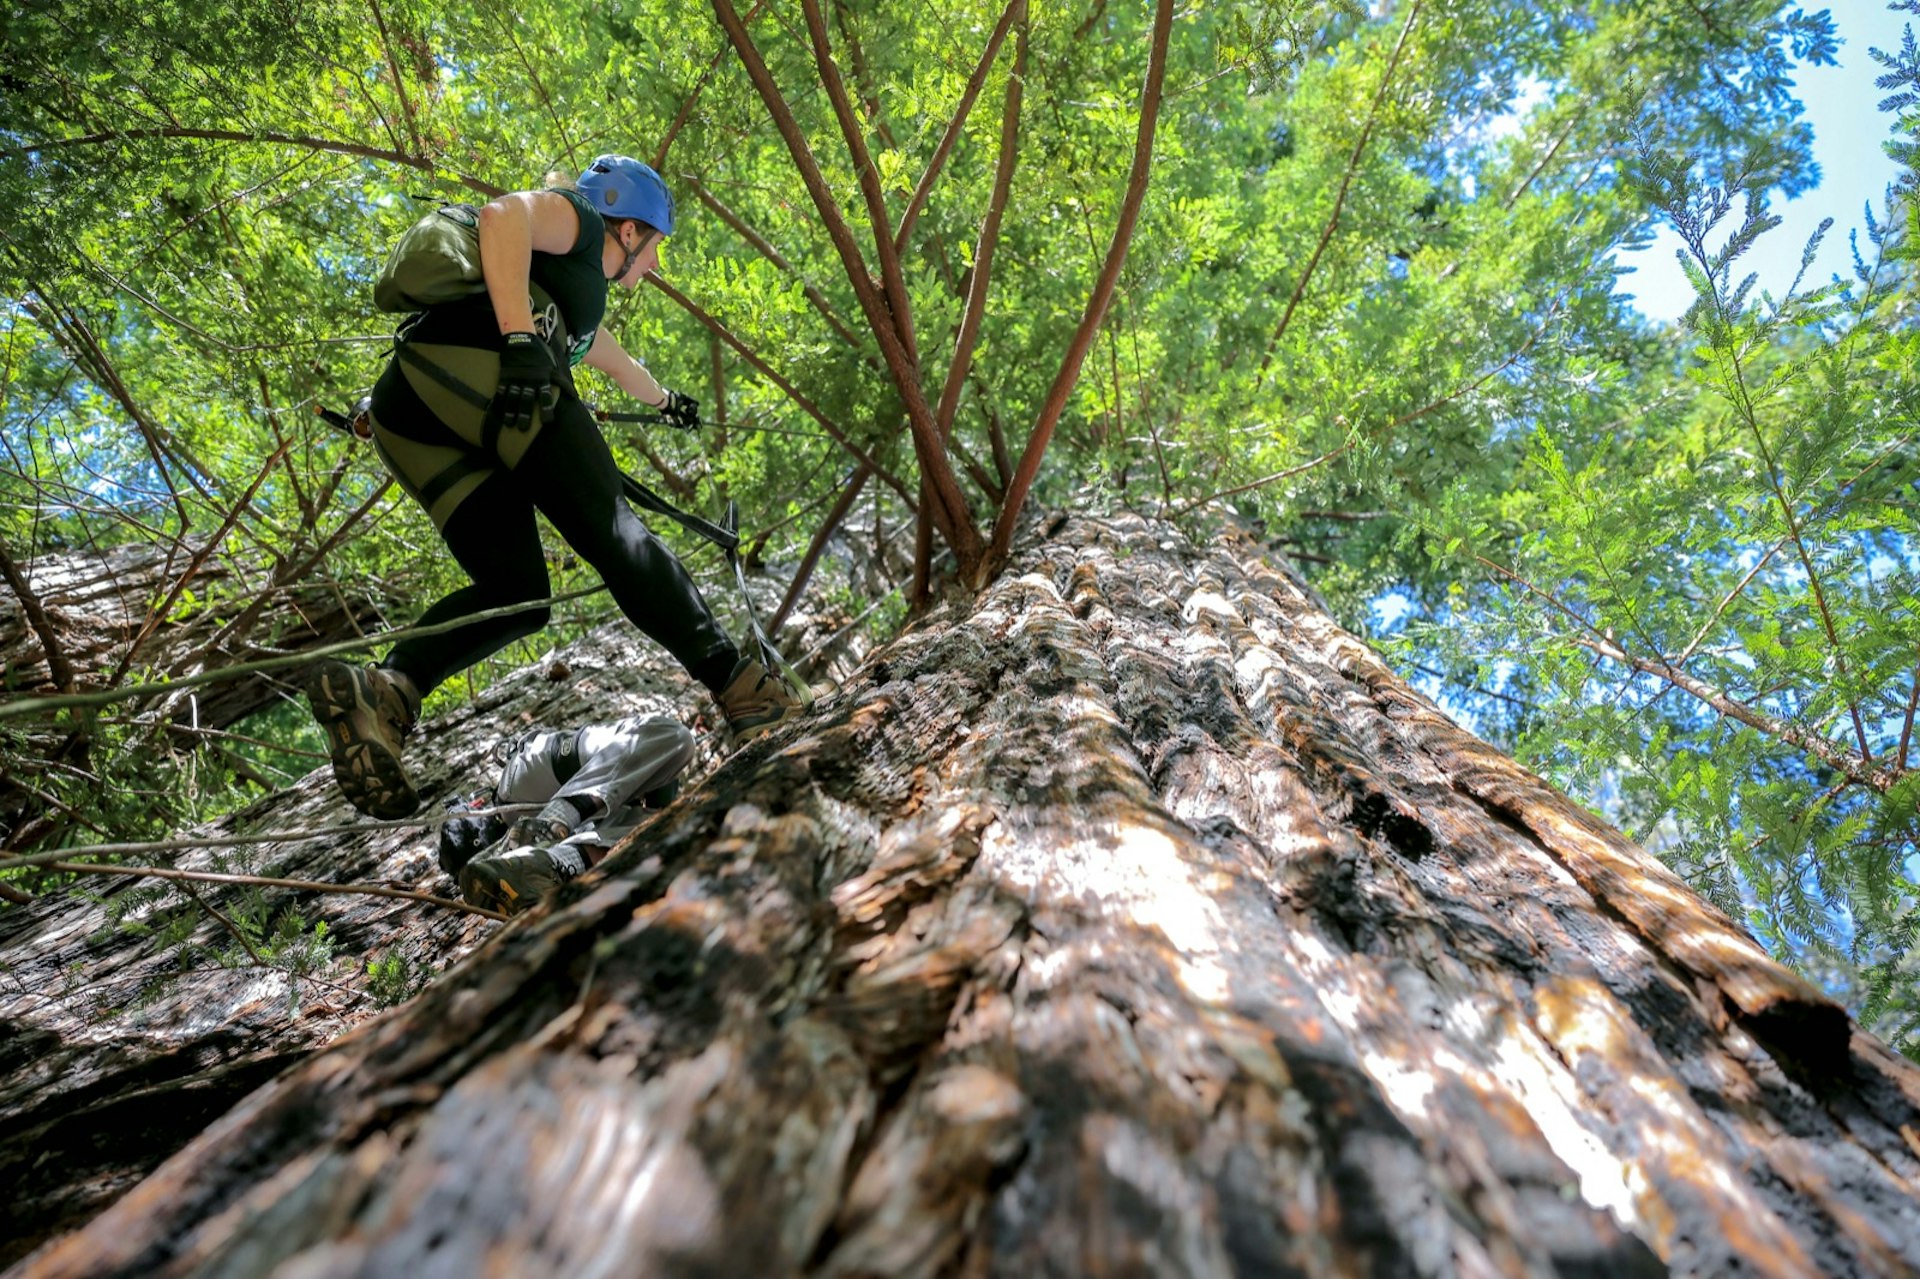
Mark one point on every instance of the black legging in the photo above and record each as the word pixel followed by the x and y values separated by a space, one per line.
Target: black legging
pixel 568 474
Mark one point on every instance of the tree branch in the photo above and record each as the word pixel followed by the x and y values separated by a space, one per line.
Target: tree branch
pixel 1097 302
pixel 818 544
pixel 792 392
pixel 685 112
pixel 1595 640
pixel 59 669
pixel 393 65
pixel 773 255
pixel 951 513
pixel 975 83
pixel 262 881
pixel 892 281
pixel 1340 199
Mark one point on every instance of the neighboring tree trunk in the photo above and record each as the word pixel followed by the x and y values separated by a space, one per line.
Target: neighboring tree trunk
pixel 116 1050
pixel 1135 919
pixel 98 602
pixel 95 605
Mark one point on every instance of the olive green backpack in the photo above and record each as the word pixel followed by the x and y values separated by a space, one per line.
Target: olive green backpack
pixel 437 260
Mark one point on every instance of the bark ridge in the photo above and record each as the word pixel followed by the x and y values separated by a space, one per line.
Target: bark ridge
pixel 1133 919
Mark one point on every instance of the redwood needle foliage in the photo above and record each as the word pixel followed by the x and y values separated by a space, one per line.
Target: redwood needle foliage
pixel 1346 271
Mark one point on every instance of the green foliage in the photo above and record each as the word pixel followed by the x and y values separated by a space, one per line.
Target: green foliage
pixel 394 979
pixel 1708 578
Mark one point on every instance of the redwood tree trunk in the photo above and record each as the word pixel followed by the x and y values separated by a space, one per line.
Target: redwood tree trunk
pixel 1134 920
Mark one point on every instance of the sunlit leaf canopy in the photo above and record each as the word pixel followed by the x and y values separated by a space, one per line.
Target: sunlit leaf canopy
pixel 1372 301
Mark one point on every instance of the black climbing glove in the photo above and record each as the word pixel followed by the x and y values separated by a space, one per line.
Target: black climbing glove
pixel 681 412
pixel 526 384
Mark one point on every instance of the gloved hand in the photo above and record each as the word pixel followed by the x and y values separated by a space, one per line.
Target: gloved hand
pixel 526 384
pixel 680 411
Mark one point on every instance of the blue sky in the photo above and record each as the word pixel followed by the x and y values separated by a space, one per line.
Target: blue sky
pixel 1847 133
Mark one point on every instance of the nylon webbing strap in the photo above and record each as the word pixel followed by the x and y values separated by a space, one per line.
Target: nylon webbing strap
pixel 642 496
pixel 438 373
pixel 448 476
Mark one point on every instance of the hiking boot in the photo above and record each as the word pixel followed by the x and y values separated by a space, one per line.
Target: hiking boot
pixel 543 829
pixel 366 713
pixel 754 700
pixel 512 879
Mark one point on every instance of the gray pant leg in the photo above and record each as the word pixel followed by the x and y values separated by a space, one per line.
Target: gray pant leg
pixel 621 762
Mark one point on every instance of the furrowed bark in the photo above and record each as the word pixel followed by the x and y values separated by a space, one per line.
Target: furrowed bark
pixel 1129 918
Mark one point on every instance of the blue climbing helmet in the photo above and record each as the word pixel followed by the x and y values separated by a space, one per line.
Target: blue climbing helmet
pixel 622 187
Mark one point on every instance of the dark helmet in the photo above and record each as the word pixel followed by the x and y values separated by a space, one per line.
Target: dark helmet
pixel 622 187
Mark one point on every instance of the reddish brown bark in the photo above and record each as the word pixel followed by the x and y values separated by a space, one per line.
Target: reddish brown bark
pixel 951 514
pixel 1132 918
pixel 1097 302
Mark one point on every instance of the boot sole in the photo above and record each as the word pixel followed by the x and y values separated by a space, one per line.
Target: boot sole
pixel 369 775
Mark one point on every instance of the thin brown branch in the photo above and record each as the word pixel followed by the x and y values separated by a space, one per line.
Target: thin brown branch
pixel 1513 196
pixel 995 491
pixel 199 558
pixel 1340 198
pixel 1097 302
pixel 996 434
pixel 717 372
pixel 976 307
pixel 510 20
pixel 975 83
pixel 975 310
pixel 808 561
pixel 133 692
pixel 263 881
pixel 955 520
pixel 1734 592
pixel 766 250
pixel 227 135
pixel 183 842
pixel 1751 418
pixel 685 112
pixel 92 358
pixel 246 943
pixel 1855 768
pixel 284 576
pixel 1395 424
pixel 399 80
pixel 893 282
pixel 59 669
pixel 792 392
pixel 1906 729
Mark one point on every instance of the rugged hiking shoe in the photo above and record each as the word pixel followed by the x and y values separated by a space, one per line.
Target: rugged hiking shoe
pixel 754 700
pixel 366 713
pixel 512 879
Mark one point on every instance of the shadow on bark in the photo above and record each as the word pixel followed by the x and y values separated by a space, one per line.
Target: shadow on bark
pixel 1136 919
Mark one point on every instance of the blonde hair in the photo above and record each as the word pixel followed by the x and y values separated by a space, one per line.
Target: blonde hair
pixel 558 180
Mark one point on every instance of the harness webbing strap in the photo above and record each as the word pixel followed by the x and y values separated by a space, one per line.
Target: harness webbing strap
pixel 439 373
pixel 448 476
pixel 725 535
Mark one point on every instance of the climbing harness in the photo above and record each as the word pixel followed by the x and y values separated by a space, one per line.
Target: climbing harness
pixel 725 535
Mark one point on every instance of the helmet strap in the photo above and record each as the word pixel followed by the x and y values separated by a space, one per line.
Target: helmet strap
pixel 626 263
